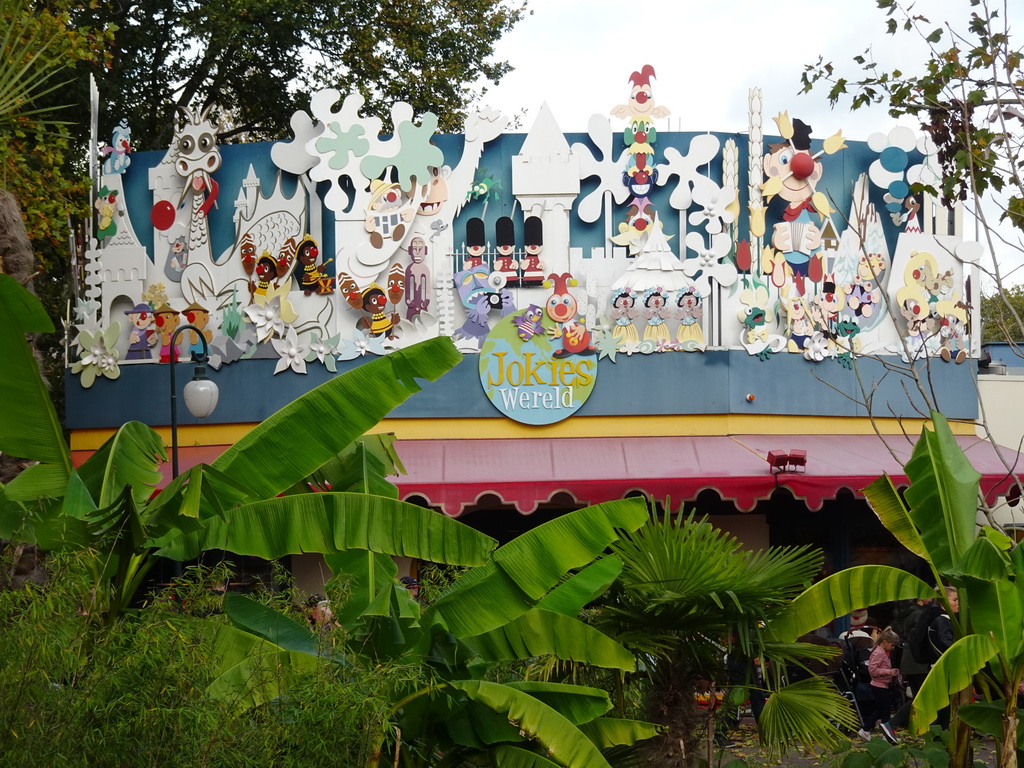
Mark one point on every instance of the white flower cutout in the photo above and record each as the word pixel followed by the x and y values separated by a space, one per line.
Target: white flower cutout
pixel 360 345
pixel 709 261
pixel 97 356
pixel 266 318
pixel 714 201
pixel 323 350
pixel 293 354
pixel 817 348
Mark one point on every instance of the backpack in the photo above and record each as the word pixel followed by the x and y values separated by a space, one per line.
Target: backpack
pixel 920 642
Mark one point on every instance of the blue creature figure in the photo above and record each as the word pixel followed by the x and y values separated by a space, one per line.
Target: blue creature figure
pixel 481 293
pixel 117 161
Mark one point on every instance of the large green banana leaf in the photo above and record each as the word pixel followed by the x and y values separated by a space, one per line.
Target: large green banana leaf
pixel 300 438
pixel 987 717
pixel 334 522
pixel 607 732
pixel 997 612
pixel 523 570
pixel 273 626
pixel 555 733
pixel 888 505
pixel 131 457
pixel 371 580
pixel 843 592
pixel 539 633
pixel 577 703
pixel 29 427
pixel 508 756
pixel 987 558
pixel 943 494
pixel 951 673
pixel 808 712
pixel 362 467
pixel 574 593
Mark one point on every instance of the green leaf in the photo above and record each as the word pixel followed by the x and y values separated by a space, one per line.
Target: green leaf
pixel 266 459
pixel 507 756
pixel 574 593
pixel 943 494
pixel 843 592
pixel 983 560
pixel 559 737
pixel 809 712
pixel 273 626
pixel 540 633
pixel 40 481
pixel 569 541
pixel 951 673
pixel 997 611
pixel 29 426
pixel 987 717
pixel 130 457
pixel 486 598
pixel 335 522
pixel 608 732
pixel 887 504
pixel 579 704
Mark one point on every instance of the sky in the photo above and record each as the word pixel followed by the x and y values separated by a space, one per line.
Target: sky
pixel 578 54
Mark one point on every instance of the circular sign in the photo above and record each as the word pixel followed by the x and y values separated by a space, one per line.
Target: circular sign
pixel 530 374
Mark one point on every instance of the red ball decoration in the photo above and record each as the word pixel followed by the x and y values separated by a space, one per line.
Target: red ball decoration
pixel 162 215
pixel 802 165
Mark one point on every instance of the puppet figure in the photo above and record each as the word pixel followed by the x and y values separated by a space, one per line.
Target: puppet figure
pixel 641 97
pixel 199 316
pixel 531 265
pixel 417 279
pixel 388 213
pixel 481 293
pixel 116 154
pixel 623 313
pixel 562 307
pixel 689 312
pixel 142 336
pixel 311 278
pixel 106 205
pixel 654 313
pixel 794 172
pixel 167 321
pixel 505 240
pixel 475 244
pixel 528 322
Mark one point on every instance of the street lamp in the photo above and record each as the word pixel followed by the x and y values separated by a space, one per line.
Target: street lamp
pixel 200 394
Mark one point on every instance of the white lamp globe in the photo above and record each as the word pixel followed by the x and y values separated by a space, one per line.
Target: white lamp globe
pixel 201 394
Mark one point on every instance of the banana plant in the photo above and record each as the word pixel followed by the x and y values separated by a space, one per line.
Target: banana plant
pixel 517 605
pixel 108 504
pixel 936 520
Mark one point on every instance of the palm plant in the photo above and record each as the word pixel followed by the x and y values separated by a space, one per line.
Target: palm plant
pixel 687 595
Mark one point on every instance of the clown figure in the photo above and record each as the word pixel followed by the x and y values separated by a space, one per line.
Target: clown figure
pixel 562 307
pixel 623 313
pixel 142 335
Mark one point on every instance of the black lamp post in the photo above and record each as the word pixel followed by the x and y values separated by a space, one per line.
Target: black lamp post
pixel 200 394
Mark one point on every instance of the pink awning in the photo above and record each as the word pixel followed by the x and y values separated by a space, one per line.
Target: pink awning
pixel 456 474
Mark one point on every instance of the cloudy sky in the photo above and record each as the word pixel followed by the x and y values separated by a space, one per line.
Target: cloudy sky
pixel 578 54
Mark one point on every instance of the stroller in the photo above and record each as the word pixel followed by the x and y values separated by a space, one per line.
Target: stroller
pixel 853 679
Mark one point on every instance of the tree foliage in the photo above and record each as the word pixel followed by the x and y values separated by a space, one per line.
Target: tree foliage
pixel 1002 313
pixel 968 97
pixel 256 62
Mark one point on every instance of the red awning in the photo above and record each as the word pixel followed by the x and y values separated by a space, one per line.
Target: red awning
pixel 456 474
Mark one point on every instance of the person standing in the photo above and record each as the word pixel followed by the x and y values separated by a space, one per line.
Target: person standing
pixel 913 669
pixel 882 674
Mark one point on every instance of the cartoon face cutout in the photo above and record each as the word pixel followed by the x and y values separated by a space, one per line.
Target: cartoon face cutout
pixel 417 250
pixel 374 300
pixel 141 320
pixel 266 268
pixel 913 312
pixel 435 192
pixel 624 301
pixel 655 300
pixel 561 307
pixel 799 172
pixel 308 253
pixel 869 266
pixel 197 317
pixel 396 284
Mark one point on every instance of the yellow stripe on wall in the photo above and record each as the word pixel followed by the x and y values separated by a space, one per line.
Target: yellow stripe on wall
pixel 597 426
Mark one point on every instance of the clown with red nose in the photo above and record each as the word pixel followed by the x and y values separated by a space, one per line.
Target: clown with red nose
pixel 561 307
